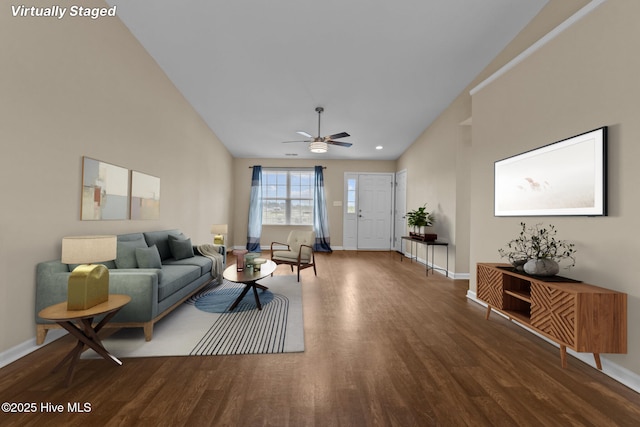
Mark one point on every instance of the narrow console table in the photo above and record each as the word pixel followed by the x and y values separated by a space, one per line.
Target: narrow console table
pixel 427 244
pixel 583 317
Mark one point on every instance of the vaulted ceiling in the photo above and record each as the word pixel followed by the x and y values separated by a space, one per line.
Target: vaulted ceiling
pixel 383 70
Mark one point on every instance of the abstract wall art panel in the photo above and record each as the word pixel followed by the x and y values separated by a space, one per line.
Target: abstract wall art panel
pixel 145 196
pixel 105 191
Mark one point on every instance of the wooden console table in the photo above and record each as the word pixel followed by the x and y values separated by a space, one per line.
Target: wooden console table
pixel 583 317
pixel 427 244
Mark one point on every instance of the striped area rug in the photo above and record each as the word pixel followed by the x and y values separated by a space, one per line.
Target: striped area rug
pixel 203 326
pixel 246 330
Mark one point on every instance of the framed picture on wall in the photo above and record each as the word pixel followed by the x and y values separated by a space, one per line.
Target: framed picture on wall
pixel 145 196
pixel 568 177
pixel 105 191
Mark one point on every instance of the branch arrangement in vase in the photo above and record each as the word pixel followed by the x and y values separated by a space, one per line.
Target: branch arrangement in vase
pixel 536 250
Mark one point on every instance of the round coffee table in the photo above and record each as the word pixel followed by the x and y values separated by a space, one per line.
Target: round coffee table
pixel 249 280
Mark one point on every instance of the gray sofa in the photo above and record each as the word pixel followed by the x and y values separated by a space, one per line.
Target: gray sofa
pixel 157 279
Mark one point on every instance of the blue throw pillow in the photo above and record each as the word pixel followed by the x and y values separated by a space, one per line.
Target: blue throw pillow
pixel 181 248
pixel 148 257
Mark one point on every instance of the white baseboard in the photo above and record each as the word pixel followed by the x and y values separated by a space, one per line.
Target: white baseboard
pixel 9 356
pixel 450 274
pixel 609 368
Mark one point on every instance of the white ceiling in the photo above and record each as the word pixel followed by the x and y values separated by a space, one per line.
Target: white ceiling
pixel 383 70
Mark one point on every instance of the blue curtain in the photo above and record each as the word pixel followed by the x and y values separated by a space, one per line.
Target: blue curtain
pixel 320 218
pixel 254 228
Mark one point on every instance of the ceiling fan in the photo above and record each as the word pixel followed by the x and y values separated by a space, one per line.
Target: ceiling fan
pixel 320 144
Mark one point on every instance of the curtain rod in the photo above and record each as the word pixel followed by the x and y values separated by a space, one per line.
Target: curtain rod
pixel 287 167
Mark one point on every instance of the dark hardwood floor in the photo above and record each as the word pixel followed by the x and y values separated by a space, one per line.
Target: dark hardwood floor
pixel 384 346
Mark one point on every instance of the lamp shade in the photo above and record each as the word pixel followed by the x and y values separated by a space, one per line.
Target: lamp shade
pixel 88 249
pixel 219 229
pixel 318 147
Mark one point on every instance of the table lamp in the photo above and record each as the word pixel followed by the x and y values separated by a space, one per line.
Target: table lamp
pixel 218 230
pixel 89 282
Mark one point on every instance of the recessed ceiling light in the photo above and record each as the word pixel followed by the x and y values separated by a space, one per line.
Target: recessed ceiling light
pixel 379 147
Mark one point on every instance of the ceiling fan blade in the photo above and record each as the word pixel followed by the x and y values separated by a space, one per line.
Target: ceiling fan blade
pixel 337 136
pixel 341 144
pixel 286 142
pixel 303 133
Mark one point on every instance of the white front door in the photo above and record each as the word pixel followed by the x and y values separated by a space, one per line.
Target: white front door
pixel 400 210
pixel 374 209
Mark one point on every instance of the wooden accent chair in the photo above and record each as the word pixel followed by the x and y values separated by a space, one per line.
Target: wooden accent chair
pixel 299 251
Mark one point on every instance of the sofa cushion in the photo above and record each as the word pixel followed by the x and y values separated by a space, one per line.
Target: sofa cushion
pixel 148 257
pixel 109 264
pixel 204 263
pixel 161 240
pixel 181 248
pixel 130 237
pixel 175 277
pixel 126 253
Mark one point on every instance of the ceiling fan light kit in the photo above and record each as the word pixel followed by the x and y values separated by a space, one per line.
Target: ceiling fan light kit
pixel 318 147
pixel 320 144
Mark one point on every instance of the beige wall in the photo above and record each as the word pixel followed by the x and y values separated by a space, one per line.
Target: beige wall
pixel 438 163
pixel 585 78
pixel 433 178
pixel 80 87
pixel 334 185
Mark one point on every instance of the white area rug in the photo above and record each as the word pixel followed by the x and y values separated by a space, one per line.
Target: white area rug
pixel 203 326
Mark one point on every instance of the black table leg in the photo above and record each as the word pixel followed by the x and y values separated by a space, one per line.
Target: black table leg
pixel 255 294
pixel 247 286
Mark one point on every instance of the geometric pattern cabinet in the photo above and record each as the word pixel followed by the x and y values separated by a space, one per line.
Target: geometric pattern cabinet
pixel 583 317
pixel 491 290
pixel 553 312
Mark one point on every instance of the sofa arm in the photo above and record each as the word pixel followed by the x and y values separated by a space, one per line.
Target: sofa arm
pixel 140 284
pixel 222 250
pixel 52 278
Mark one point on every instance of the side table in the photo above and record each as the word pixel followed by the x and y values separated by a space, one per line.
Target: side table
pixel 84 331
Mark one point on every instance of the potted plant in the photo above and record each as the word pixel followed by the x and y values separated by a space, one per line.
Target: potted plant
pixel 537 251
pixel 419 218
